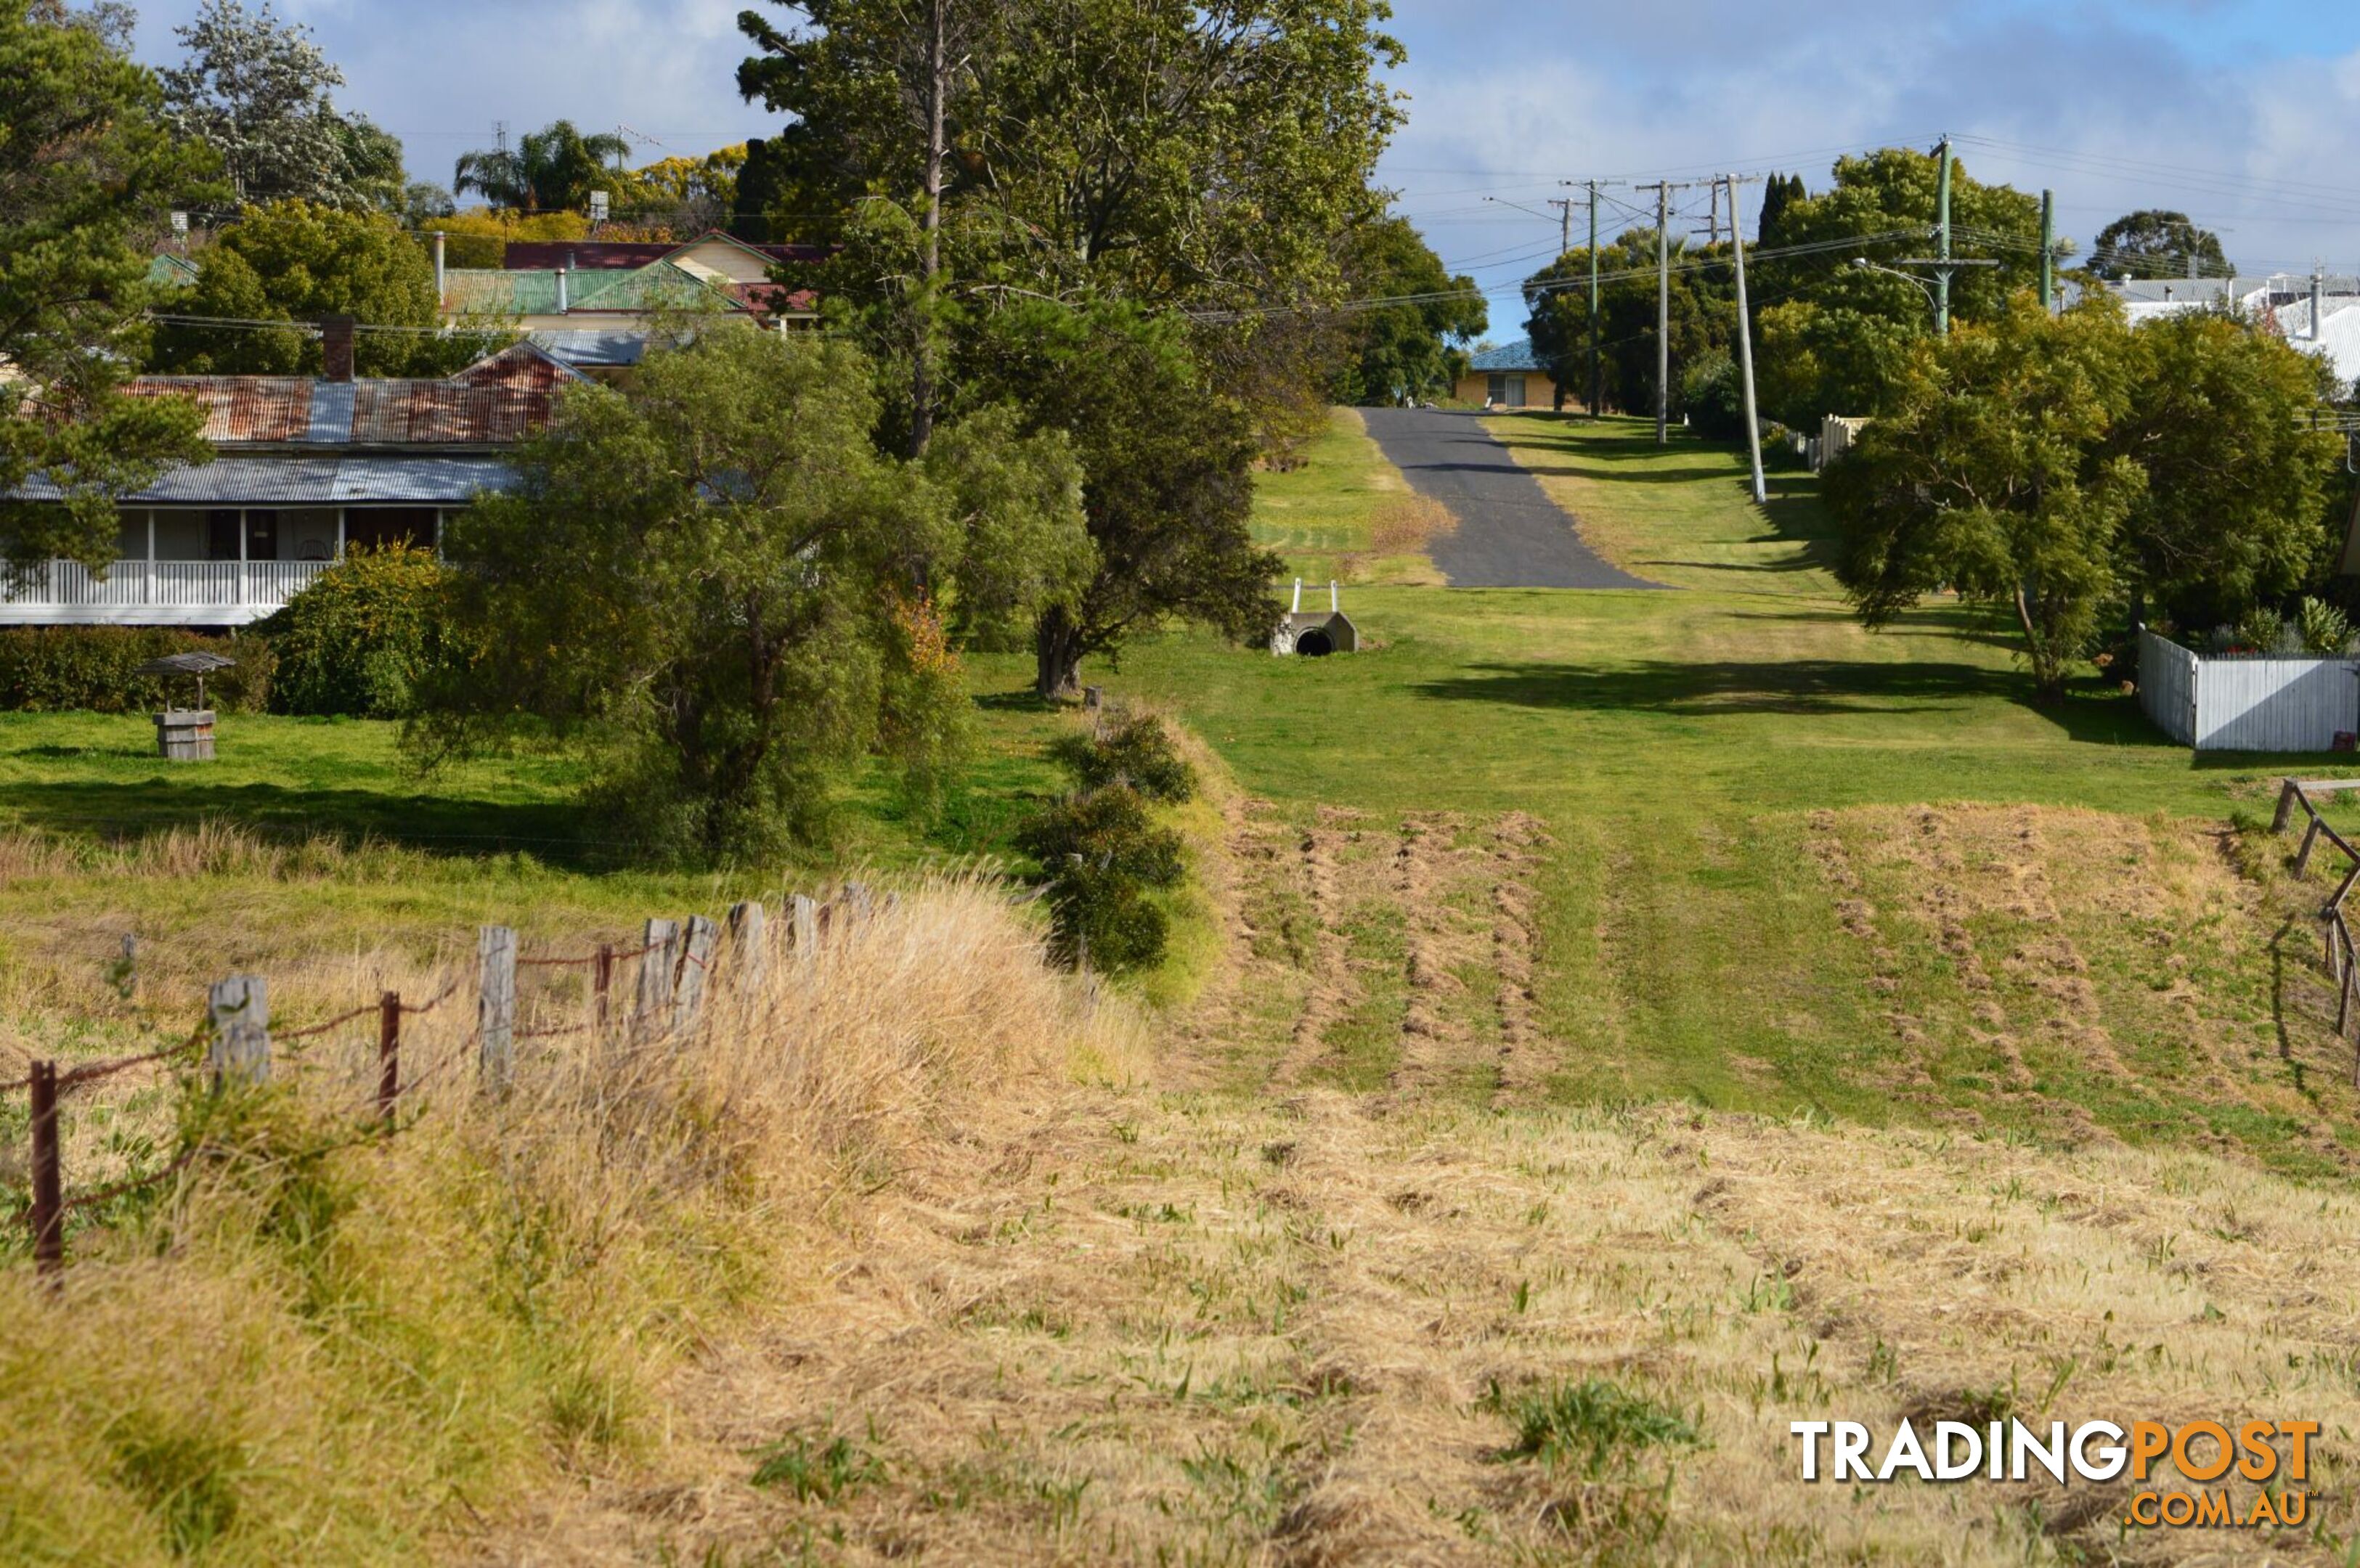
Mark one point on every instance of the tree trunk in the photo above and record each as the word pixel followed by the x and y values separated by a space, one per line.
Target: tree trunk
pixel 921 368
pixel 1057 656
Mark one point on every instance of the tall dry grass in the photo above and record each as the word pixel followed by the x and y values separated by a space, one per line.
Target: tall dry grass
pixel 318 1344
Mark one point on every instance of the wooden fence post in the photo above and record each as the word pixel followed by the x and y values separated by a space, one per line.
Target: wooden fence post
pixel 49 1211
pixel 495 956
pixel 241 1043
pixel 749 945
pixel 2302 855
pixel 2287 793
pixel 804 927
pixel 697 948
pixel 656 966
pixel 389 1054
pixel 602 982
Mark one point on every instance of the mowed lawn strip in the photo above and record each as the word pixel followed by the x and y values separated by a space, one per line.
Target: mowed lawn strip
pixel 1677 745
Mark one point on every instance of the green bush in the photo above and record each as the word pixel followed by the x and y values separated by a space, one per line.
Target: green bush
pixel 1137 752
pixel 1102 854
pixel 55 669
pixel 359 635
pixel 1714 397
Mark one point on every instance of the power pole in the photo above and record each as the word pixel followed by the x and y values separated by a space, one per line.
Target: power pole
pixel 1943 240
pixel 1745 347
pixel 1663 190
pixel 1564 205
pixel 922 367
pixel 2048 252
pixel 1594 301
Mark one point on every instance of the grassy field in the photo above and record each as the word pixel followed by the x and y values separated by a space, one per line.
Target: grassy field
pixel 1618 1023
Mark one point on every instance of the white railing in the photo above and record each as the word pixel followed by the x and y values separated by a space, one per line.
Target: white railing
pixel 133 590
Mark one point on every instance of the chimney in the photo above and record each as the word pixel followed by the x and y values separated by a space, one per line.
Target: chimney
pixel 560 290
pixel 441 287
pixel 336 348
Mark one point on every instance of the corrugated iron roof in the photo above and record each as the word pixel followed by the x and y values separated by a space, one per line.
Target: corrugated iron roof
pixel 313 482
pixel 594 348
pixel 509 402
pixel 610 254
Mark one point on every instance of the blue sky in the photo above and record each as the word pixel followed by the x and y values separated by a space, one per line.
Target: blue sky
pixel 2246 115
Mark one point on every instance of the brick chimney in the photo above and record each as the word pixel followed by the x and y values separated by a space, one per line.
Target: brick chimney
pixel 336 348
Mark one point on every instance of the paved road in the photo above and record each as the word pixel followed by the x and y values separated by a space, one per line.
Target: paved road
pixel 1511 535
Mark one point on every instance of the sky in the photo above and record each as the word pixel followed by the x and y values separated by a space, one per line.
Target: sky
pixel 2245 115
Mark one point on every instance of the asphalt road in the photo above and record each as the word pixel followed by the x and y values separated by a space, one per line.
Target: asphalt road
pixel 1511 535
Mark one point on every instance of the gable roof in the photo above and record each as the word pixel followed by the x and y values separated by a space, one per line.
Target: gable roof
pixel 1517 355
pixel 494 402
pixel 611 255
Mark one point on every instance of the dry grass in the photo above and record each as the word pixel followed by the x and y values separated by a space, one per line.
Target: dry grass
pixel 355 1349
pixel 1406 524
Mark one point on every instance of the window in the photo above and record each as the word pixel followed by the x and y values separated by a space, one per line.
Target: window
pixel 1515 397
pixel 221 535
pixel 373 528
pixel 1496 388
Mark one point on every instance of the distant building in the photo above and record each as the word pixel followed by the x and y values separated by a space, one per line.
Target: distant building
pixel 1507 377
pixel 2318 313
pixel 304 468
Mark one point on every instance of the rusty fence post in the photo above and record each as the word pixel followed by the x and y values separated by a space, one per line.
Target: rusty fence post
pixel 48 1214
pixel 601 981
pixel 389 1054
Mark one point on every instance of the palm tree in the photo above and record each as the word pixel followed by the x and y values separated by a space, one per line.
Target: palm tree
pixel 554 169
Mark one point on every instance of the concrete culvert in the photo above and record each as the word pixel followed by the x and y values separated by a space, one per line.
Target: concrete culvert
pixel 1315 643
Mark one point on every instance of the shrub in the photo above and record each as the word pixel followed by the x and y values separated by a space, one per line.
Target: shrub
pixel 53 669
pixel 1138 751
pixel 355 639
pixel 1714 399
pixel 1102 854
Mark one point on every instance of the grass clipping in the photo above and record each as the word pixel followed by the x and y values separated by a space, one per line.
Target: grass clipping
pixel 318 1344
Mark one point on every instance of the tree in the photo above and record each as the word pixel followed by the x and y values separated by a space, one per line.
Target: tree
pixel 293 262
pixel 1779 193
pixel 1153 150
pixel 705 584
pixel 687 195
pixel 1167 464
pixel 555 168
pixel 1991 473
pixel 761 191
pixel 480 236
pixel 89 174
pixel 1703 316
pixel 1416 349
pixel 2240 480
pixel 2156 243
pixel 1108 157
pixel 257 89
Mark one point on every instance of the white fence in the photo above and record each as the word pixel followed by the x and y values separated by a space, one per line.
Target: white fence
pixel 2247 704
pixel 138 593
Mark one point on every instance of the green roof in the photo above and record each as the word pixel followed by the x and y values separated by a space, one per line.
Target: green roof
pixel 532 292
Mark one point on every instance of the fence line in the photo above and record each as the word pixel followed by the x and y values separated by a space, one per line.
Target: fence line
pixel 2342 961
pixel 2248 704
pixel 677 960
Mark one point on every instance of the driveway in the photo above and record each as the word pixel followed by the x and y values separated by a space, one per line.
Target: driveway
pixel 1511 535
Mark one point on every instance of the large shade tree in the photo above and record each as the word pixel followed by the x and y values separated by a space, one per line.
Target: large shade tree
pixel 257 89
pixel 2157 243
pixel 293 262
pixel 1703 313
pixel 708 585
pixel 1415 347
pixel 89 171
pixel 1089 153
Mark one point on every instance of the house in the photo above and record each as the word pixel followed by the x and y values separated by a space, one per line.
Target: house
pixel 592 303
pixel 304 469
pixel 1507 377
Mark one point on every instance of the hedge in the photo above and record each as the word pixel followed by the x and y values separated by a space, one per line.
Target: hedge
pixel 55 669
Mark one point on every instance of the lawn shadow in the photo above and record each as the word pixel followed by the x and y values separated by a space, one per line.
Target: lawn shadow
pixel 551 831
pixel 1788 686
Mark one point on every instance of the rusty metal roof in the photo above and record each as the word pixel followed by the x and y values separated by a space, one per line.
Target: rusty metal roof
pixel 494 402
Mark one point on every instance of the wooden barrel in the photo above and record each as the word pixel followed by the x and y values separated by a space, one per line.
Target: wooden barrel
pixel 185 734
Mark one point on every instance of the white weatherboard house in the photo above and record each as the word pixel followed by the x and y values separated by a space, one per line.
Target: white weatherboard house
pixel 304 469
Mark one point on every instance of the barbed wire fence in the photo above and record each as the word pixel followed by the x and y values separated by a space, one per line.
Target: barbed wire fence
pixel 235 1047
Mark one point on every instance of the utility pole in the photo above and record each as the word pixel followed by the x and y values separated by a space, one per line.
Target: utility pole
pixel 1745 347
pixel 1663 190
pixel 922 367
pixel 2048 252
pixel 1943 240
pixel 1594 301
pixel 1564 205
